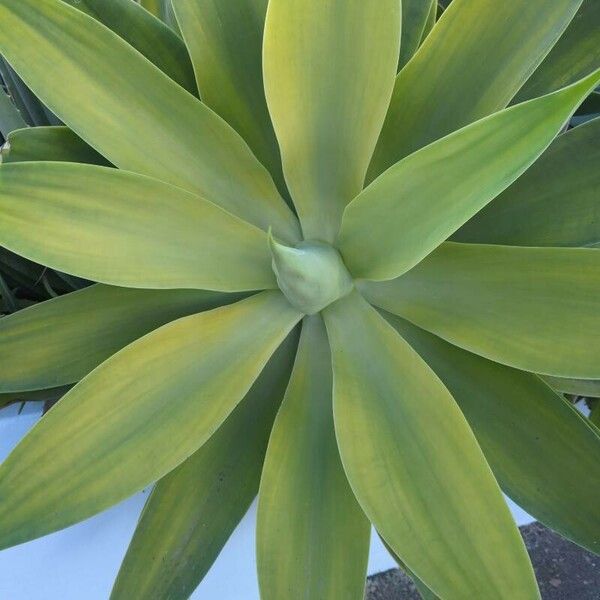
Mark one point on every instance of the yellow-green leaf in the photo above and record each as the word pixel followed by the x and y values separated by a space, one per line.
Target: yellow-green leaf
pixel 576 54
pixel 555 203
pixel 329 70
pixel 312 536
pixel 194 509
pixel 57 342
pixel 415 466
pixel 132 113
pixel 125 229
pixel 147 34
pixel 225 42
pixel 419 202
pixel 138 415
pixel 472 64
pixel 56 143
pixel 535 309
pixel 550 464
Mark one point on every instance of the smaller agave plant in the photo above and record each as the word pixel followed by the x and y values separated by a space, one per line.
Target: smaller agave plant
pixel 327 282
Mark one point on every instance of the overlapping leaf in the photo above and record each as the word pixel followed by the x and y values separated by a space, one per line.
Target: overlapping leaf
pixel 329 70
pixel 415 205
pixel 406 447
pixel 531 308
pixel 133 114
pixel 117 227
pixel 475 60
pixel 111 435
pixel 194 509
pixel 312 537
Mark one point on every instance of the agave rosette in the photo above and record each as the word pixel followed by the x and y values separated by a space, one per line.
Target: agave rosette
pixel 324 280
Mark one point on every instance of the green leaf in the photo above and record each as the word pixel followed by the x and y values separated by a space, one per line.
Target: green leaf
pixel 329 70
pixel 415 465
pixel 475 60
pixel 312 536
pixel 415 205
pixel 35 396
pixel 555 203
pixel 575 55
pixel 424 592
pixel 194 509
pixel 180 383
pixel 56 342
pixel 415 21
pixel 30 108
pixel 133 114
pixel 576 387
pixel 147 34
pixel 125 229
pixel 225 42
pixel 49 144
pixel 535 309
pixel 551 464
pixel 10 117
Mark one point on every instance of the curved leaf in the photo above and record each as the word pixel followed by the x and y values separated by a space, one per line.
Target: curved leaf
pixel 225 43
pixel 147 34
pixel 405 446
pixel 51 395
pixel 329 70
pixel 472 64
pixel 133 114
pixel 56 342
pixel 551 464
pixel 49 144
pixel 312 536
pixel 194 509
pixel 415 21
pixel 138 415
pixel 126 229
pixel 577 387
pixel 555 203
pixel 10 117
pixel 575 55
pixel 415 205
pixel 535 309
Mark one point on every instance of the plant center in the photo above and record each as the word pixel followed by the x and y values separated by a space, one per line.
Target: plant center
pixel 312 274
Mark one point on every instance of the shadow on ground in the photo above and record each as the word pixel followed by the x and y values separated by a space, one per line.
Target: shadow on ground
pixel 564 571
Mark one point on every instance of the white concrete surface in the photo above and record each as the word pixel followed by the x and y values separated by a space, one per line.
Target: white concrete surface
pixel 80 563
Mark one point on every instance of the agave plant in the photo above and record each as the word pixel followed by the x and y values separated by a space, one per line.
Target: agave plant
pixel 278 307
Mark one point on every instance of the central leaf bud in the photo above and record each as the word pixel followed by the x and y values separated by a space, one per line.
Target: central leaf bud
pixel 312 274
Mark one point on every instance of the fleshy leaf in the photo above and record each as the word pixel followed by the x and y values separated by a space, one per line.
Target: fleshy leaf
pixel 471 65
pixel 49 144
pixel 415 20
pixel 575 55
pixel 133 114
pixel 576 387
pixel 329 69
pixel 10 117
pixel 535 309
pixel 194 509
pixel 147 34
pixel 125 229
pixel 126 424
pixel 405 446
pixel 225 42
pixel 419 202
pixel 312 536
pixel 555 203
pixel 551 463
pixel 56 342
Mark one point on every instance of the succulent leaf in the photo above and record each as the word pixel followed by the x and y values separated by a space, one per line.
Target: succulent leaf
pixel 405 446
